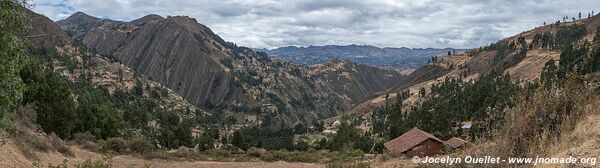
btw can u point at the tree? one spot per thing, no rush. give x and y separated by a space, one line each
51 97
172 132
138 89
594 64
271 139
12 53
300 128
422 92
204 142
97 115
549 74
345 137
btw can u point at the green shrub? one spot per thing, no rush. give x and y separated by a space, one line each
355 153
218 153
354 164
103 163
95 164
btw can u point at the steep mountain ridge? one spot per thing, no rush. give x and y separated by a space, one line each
190 59
73 61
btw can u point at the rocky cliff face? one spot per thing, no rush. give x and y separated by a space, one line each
190 59
47 39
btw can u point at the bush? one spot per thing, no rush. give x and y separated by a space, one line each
29 139
116 145
355 153
85 140
81 138
103 163
256 152
95 164
60 145
139 145
354 164
157 154
218 153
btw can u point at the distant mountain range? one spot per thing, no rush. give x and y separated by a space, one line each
389 58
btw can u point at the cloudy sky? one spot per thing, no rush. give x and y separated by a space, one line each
383 23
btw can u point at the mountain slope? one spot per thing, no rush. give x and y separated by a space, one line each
190 59
523 56
69 59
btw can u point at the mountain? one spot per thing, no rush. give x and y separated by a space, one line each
76 62
523 56
389 58
187 57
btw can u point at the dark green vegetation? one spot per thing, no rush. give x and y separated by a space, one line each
12 55
449 103
577 56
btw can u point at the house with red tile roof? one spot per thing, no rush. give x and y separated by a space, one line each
415 142
457 143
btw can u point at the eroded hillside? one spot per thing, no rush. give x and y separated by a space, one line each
190 59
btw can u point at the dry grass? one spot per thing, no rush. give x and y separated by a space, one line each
29 138
541 123
85 140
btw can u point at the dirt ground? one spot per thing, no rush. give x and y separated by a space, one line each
11 156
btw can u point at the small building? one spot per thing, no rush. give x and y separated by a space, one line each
415 142
466 125
456 143
329 131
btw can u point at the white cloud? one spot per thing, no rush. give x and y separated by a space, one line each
384 23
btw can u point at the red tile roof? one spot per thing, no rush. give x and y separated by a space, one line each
409 140
455 142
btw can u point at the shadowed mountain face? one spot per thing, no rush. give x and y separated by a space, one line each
190 59
389 58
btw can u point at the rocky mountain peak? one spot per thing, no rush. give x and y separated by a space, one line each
147 18
82 15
